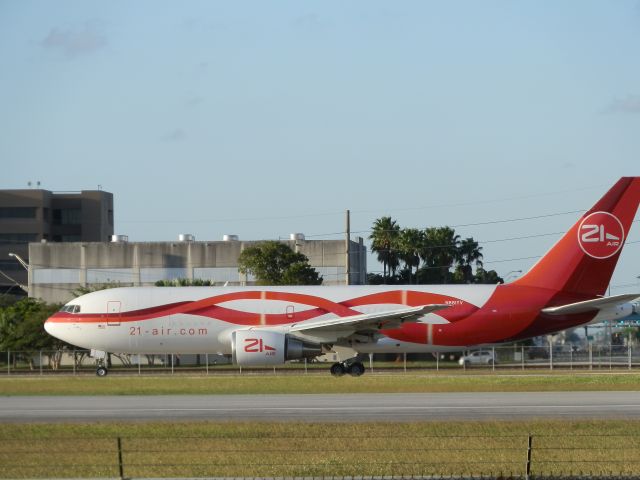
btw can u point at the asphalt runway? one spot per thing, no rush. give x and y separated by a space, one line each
321 408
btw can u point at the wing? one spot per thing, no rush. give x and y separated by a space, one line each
366 321
590 305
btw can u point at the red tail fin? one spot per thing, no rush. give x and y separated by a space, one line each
583 261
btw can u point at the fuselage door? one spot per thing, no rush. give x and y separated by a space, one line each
113 313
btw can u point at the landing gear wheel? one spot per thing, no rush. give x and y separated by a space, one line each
337 369
355 369
101 371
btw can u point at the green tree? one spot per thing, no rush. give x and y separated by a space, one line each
439 252
384 242
274 263
22 329
469 253
410 244
488 277
22 326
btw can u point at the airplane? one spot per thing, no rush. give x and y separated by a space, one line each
259 326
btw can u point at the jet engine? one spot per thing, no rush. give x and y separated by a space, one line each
263 347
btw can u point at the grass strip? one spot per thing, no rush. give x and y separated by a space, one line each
319 449
300 384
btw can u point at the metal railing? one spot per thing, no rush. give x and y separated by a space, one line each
497 456
593 357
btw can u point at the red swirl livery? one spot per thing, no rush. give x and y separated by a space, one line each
270 325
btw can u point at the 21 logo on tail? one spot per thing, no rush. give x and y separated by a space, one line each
600 235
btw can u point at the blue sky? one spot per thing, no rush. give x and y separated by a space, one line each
266 118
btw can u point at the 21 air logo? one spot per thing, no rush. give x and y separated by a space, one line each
600 235
256 345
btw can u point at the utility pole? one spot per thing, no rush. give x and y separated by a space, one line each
348 248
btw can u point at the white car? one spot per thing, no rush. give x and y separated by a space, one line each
480 357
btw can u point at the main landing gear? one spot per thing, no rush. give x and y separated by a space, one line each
355 369
101 371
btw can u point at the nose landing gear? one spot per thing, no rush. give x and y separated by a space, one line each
101 358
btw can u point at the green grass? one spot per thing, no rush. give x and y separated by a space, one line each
269 383
319 449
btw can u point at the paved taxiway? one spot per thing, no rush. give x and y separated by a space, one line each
330 407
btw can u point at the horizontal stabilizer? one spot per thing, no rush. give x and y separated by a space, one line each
378 320
590 305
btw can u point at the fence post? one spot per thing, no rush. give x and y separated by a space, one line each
493 363
522 357
405 362
590 356
305 365
550 354
529 447
571 358
610 351
74 361
371 362
206 357
437 361
40 353
139 367
8 362
120 465
172 364
629 350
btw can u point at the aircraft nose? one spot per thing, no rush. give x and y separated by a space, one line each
55 329
49 327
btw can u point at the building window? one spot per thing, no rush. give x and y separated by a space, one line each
18 237
70 238
17 212
68 216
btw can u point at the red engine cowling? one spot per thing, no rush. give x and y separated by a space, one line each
263 347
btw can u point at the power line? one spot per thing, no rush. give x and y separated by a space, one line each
341 212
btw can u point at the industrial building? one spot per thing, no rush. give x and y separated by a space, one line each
56 269
37 215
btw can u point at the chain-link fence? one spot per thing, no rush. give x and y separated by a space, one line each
450 456
592 357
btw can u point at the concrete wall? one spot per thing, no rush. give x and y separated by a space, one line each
58 268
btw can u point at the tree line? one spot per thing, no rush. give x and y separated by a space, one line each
434 255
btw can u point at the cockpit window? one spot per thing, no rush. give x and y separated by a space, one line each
70 308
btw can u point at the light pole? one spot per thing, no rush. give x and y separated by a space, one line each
20 260
26 267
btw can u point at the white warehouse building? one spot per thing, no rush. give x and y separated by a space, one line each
56 269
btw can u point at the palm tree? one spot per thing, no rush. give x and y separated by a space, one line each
468 253
384 242
410 243
440 250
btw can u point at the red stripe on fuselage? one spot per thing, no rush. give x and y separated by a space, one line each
210 307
